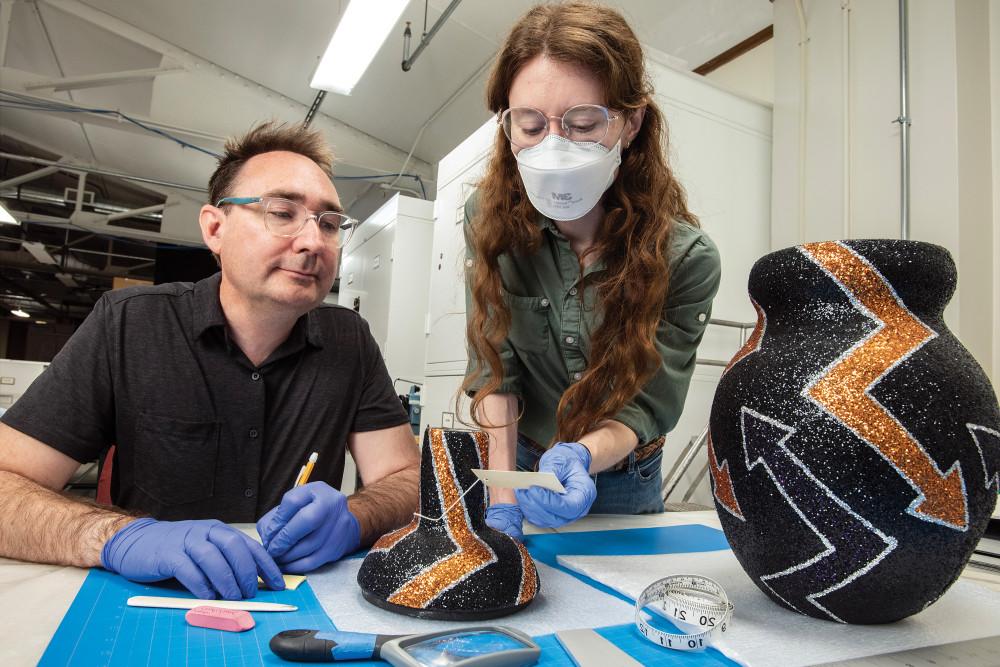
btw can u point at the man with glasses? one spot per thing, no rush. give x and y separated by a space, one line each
214 395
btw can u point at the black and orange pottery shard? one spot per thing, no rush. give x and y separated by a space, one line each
854 442
447 564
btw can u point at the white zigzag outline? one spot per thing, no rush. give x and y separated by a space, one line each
982 455
879 326
451 536
891 542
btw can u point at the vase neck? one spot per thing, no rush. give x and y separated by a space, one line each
448 487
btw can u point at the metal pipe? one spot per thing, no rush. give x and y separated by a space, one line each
904 121
97 170
845 110
81 185
156 208
426 39
318 100
803 115
42 197
733 324
27 178
685 462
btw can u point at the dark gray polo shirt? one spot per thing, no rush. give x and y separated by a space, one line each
200 431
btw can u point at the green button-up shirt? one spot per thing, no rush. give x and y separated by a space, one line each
548 345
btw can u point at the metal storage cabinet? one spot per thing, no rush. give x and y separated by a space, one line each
384 274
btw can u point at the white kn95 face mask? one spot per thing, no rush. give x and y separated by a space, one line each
565 179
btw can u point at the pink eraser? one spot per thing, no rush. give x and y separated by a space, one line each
217 618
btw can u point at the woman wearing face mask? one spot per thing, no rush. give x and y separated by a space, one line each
589 282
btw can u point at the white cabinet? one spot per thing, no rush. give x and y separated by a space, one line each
384 274
15 378
458 173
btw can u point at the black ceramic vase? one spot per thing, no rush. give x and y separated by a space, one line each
854 442
447 564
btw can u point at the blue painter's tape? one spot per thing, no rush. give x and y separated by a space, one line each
350 645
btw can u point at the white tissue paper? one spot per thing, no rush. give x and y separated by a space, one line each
763 633
563 603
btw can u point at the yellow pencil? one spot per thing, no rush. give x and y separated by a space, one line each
298 477
307 469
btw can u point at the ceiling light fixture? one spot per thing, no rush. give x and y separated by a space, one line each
359 35
19 313
6 218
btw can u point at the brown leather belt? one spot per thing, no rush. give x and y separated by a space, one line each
642 452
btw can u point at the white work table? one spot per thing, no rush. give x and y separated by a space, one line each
33 598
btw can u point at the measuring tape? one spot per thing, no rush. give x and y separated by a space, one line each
689 599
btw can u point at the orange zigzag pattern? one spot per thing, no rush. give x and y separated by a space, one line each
724 491
843 389
472 552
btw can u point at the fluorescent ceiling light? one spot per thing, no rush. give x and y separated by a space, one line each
359 35
39 252
40 322
6 218
19 313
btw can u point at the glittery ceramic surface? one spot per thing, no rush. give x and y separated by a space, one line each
457 568
854 444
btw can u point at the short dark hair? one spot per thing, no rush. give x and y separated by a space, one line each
265 138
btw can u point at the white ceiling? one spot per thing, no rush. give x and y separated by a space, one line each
241 61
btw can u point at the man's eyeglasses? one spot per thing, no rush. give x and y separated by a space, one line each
526 127
287 218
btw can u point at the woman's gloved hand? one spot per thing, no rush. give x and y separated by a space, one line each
570 462
507 518
208 557
309 528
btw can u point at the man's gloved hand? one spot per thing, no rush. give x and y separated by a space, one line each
569 461
310 527
208 557
507 518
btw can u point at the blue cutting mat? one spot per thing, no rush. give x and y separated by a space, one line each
100 629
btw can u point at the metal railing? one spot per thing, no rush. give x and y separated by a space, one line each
695 444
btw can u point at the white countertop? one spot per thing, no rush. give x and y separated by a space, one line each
34 598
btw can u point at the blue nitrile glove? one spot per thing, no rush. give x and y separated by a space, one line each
507 518
569 461
210 558
310 527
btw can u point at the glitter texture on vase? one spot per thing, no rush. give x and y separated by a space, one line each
854 445
455 567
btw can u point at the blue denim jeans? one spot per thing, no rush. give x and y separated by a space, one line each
635 489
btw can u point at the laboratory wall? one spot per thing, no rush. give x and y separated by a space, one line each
837 142
751 74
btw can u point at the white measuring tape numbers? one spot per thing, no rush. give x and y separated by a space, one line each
690 600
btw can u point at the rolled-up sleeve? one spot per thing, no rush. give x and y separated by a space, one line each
512 368
694 283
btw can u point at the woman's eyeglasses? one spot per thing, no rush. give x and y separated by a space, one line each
586 123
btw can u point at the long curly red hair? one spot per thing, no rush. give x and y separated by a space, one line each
641 207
